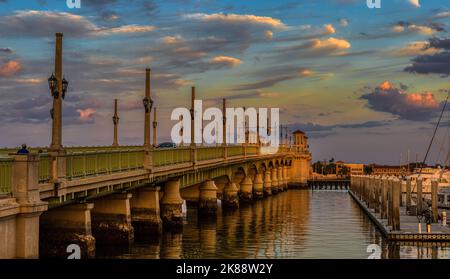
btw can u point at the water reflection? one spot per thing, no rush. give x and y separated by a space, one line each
294 224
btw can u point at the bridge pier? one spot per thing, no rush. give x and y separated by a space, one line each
208 198
267 186
171 206
274 181
258 186
286 178
230 196
145 212
280 179
64 226
246 193
111 220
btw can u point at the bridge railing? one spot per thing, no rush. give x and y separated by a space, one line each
164 157
251 150
209 153
95 163
235 151
45 168
5 175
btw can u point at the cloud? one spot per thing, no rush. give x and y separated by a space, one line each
344 22
307 32
429 29
10 68
86 114
313 48
272 80
443 14
6 50
33 23
238 19
413 49
225 61
126 29
415 3
435 63
257 94
410 106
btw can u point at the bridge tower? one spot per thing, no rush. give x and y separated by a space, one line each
301 163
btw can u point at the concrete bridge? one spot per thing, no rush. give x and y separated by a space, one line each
57 196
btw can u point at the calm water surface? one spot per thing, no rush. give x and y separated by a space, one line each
295 224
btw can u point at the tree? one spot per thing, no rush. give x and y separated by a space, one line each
368 169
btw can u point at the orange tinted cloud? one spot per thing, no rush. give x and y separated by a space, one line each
226 61
86 114
235 18
10 68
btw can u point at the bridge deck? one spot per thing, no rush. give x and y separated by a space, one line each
408 224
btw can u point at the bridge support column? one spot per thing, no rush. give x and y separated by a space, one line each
274 181
246 193
145 213
286 178
267 187
230 196
19 216
171 205
208 198
111 220
64 226
280 179
258 186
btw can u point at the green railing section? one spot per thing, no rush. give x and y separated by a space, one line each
45 167
5 175
73 149
104 162
164 157
209 153
251 150
235 151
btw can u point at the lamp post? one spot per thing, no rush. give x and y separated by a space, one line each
155 124
115 120
58 86
148 104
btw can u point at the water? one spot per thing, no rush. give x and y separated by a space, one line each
294 224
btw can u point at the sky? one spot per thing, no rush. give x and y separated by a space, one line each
366 85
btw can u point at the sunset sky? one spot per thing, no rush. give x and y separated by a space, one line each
365 84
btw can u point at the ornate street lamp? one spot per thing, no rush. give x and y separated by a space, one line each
65 85
115 119
52 84
148 104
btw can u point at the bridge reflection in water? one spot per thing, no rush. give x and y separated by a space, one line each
293 224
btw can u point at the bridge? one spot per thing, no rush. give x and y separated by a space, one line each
56 196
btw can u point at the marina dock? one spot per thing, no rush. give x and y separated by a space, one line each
378 198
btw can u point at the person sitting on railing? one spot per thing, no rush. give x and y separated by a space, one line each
23 150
